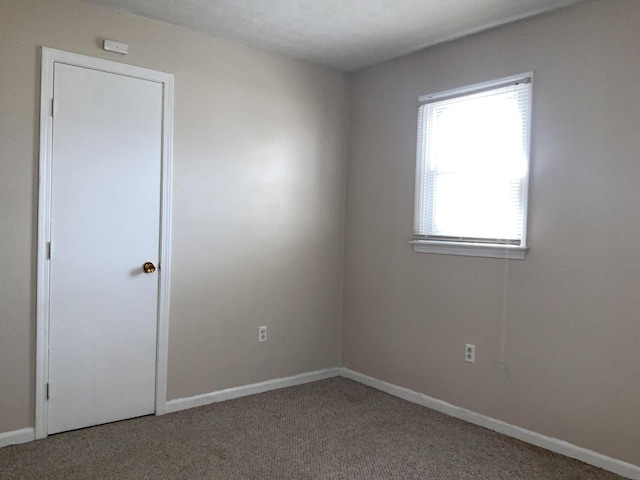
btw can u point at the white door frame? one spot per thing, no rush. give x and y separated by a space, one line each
47 106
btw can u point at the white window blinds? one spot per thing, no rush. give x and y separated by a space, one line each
472 174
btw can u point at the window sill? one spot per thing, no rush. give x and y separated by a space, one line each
470 249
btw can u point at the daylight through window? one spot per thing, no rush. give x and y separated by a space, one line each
472 170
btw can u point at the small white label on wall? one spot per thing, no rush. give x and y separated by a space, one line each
117 47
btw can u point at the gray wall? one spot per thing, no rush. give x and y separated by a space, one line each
558 334
258 200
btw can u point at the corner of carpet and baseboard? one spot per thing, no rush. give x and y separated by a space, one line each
555 445
619 467
24 435
251 389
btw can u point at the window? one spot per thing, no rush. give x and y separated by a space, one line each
473 170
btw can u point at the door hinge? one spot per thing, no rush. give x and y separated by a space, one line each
49 250
47 391
53 107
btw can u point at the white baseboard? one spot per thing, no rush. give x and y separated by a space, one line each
236 392
549 443
553 444
23 435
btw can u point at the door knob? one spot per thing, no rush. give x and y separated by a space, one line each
148 267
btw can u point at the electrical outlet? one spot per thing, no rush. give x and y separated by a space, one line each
470 353
262 333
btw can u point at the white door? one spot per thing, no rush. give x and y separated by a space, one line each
105 215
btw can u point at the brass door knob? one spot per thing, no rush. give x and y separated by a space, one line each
148 267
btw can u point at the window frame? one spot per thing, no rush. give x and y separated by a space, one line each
460 245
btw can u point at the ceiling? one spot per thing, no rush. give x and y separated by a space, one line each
342 34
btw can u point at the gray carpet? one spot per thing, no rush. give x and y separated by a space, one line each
333 429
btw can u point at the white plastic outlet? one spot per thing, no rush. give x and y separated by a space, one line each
470 353
262 333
